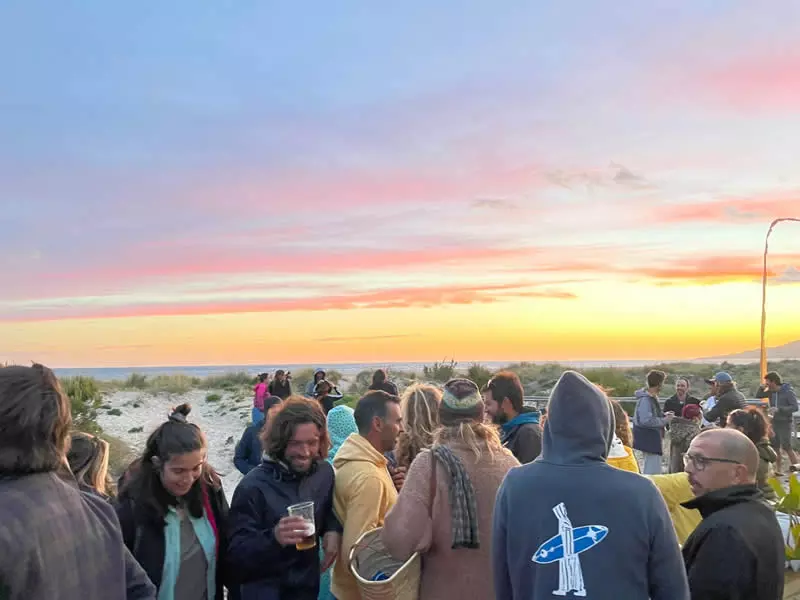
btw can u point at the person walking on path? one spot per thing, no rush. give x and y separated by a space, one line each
681 398
262 551
365 489
569 523
56 542
444 510
420 411
341 424
173 513
649 423
751 422
520 431
728 399
737 551
782 406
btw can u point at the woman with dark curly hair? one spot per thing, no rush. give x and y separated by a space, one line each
752 422
272 553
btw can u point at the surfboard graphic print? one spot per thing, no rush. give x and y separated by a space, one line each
565 547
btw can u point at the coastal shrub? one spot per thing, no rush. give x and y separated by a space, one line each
440 371
479 374
173 384
348 400
615 382
136 381
114 412
213 398
228 381
85 400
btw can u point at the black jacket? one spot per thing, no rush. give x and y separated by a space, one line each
247 455
726 404
281 390
267 570
673 404
737 551
143 533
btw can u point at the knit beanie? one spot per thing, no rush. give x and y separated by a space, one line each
461 401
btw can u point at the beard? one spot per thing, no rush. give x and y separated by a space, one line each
500 419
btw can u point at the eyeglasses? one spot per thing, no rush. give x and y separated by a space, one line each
701 462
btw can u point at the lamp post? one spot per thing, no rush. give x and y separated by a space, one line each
764 294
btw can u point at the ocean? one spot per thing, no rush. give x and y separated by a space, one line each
346 369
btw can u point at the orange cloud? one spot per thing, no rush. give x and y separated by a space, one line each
717 269
766 207
420 297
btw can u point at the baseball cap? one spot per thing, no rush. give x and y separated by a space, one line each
721 377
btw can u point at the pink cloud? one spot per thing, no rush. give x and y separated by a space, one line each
423 297
764 207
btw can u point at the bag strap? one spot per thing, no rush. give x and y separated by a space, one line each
210 514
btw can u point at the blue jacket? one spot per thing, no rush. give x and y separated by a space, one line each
249 450
265 569
784 400
649 423
568 524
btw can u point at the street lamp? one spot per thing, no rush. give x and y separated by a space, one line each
764 294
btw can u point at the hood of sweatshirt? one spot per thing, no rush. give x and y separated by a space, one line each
580 423
356 449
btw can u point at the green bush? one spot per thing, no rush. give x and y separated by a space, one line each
615 382
479 374
136 381
440 371
173 384
213 398
85 399
114 412
348 400
228 381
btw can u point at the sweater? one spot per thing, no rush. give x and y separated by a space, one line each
675 489
364 493
419 523
570 525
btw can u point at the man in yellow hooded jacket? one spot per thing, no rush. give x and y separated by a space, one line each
365 487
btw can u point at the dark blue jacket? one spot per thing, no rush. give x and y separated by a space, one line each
265 569
249 450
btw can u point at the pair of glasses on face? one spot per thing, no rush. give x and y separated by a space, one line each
701 462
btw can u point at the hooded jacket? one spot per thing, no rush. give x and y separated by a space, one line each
766 459
523 436
249 450
364 494
737 552
784 401
265 569
648 423
621 457
313 383
569 524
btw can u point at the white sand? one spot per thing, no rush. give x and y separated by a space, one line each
223 423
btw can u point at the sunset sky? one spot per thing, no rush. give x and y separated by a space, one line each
260 182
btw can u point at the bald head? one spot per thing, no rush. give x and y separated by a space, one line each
721 458
734 445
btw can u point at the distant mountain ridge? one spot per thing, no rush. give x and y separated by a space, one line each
785 352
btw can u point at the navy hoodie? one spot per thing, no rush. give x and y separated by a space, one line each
568 524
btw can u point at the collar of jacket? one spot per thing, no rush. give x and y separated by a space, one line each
283 472
711 502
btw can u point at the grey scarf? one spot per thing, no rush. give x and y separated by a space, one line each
463 505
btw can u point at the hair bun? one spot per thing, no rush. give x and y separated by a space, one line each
179 413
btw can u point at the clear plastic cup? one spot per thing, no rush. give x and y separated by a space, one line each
306 511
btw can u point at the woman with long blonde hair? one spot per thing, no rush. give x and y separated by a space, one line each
88 460
444 509
420 409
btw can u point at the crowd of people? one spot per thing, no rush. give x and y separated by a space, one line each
499 500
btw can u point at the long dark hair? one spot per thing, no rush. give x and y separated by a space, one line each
35 420
752 422
282 420
174 437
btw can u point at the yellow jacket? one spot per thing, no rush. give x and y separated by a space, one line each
363 495
675 489
626 462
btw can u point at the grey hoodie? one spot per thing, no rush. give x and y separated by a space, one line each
568 524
